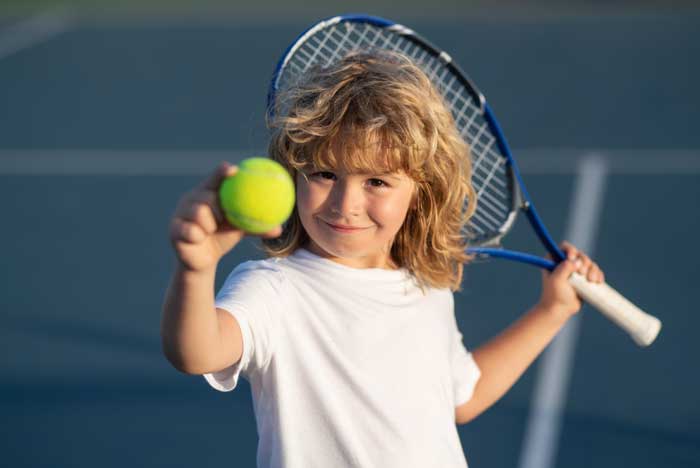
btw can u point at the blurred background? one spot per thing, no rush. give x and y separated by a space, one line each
112 110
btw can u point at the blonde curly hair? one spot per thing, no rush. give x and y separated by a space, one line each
376 110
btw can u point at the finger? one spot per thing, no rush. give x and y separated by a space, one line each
276 232
583 264
591 274
204 217
211 201
185 231
564 270
228 237
570 250
595 274
213 181
200 213
207 197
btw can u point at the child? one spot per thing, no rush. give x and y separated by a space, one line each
347 333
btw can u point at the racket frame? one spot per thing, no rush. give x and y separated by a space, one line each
641 326
521 198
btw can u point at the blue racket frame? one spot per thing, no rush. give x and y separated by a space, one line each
525 202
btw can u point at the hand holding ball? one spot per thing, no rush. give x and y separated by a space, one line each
259 197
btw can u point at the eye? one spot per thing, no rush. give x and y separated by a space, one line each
377 183
326 175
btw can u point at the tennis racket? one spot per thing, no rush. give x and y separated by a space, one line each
501 193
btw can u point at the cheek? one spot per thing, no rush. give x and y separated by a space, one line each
306 198
301 186
302 194
391 213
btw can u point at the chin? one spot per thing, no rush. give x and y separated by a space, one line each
351 251
344 251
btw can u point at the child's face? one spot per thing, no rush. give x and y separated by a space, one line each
353 218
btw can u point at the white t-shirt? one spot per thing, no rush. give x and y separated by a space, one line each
348 367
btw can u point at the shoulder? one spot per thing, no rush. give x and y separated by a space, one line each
254 285
442 296
267 271
442 304
281 271
268 266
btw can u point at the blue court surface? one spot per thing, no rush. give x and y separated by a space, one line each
105 124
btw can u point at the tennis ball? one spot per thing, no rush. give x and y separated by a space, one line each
259 197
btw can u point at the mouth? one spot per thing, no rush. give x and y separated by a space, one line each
344 228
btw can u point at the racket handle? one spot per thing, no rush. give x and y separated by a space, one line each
641 326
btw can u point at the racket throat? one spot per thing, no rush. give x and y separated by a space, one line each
542 233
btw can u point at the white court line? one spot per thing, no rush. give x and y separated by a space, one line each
542 161
35 30
128 163
620 161
543 427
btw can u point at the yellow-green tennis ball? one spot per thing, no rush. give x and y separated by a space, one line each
259 197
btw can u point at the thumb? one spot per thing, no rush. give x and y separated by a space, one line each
214 179
227 238
565 269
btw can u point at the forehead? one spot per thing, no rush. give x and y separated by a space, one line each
360 154
353 165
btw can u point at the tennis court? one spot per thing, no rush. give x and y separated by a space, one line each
105 122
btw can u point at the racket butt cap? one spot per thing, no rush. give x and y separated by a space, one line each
647 337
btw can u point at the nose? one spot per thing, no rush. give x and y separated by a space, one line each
347 198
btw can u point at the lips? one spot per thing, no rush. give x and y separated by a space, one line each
344 228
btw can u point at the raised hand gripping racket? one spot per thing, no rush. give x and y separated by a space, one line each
496 179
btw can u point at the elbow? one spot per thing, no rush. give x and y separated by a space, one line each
183 366
461 420
176 359
468 411
187 365
170 351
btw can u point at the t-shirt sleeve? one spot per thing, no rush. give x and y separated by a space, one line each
465 372
250 294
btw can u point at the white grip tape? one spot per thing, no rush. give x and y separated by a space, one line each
641 326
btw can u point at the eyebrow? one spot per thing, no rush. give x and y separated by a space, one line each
388 175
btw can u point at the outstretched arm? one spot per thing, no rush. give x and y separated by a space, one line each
503 359
196 337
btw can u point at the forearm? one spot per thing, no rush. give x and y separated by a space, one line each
189 326
505 358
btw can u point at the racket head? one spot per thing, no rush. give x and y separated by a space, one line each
496 179
494 174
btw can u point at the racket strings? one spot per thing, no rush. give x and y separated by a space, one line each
490 176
